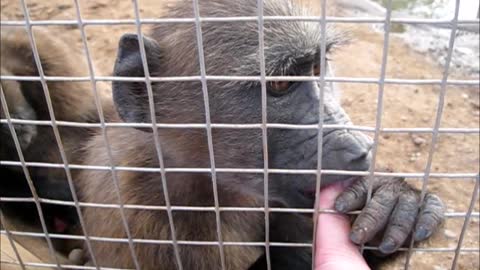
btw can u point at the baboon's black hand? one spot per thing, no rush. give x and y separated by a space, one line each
431 216
392 211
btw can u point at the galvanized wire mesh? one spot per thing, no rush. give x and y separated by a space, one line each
323 79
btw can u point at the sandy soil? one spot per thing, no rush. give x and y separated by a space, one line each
404 106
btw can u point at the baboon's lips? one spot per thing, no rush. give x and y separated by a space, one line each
311 192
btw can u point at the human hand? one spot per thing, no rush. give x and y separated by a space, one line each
334 249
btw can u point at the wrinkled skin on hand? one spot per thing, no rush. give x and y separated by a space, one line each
393 213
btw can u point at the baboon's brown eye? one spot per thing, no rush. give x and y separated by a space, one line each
316 70
280 87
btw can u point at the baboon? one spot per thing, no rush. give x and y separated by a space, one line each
232 48
71 101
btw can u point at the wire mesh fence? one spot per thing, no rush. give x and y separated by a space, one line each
436 130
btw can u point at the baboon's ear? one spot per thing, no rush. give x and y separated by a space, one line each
131 99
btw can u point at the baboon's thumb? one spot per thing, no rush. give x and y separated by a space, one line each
334 250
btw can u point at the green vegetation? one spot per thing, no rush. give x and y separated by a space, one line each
405 4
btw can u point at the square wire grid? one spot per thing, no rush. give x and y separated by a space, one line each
208 126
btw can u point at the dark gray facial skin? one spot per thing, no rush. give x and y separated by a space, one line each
291 48
297 149
342 149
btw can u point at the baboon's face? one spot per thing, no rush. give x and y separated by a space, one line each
291 48
298 148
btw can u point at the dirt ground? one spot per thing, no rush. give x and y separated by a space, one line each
404 106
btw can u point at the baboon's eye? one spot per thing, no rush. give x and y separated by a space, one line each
316 67
280 87
316 70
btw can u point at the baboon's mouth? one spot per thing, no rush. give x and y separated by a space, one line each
345 183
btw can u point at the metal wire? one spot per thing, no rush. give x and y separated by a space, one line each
204 208
320 126
213 173
213 243
22 162
242 126
438 117
322 79
158 148
381 87
457 176
67 266
244 78
105 138
263 83
329 19
473 202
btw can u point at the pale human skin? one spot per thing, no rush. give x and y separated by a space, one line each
335 250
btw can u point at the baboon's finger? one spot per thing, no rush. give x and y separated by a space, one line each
355 196
76 256
374 216
431 216
401 221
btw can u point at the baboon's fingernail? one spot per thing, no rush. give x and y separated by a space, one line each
388 246
358 236
421 233
340 206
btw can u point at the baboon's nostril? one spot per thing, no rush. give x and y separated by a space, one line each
349 150
358 157
359 154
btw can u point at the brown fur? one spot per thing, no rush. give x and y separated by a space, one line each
19 108
184 189
71 101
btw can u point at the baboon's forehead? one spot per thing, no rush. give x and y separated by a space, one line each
234 46
227 8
